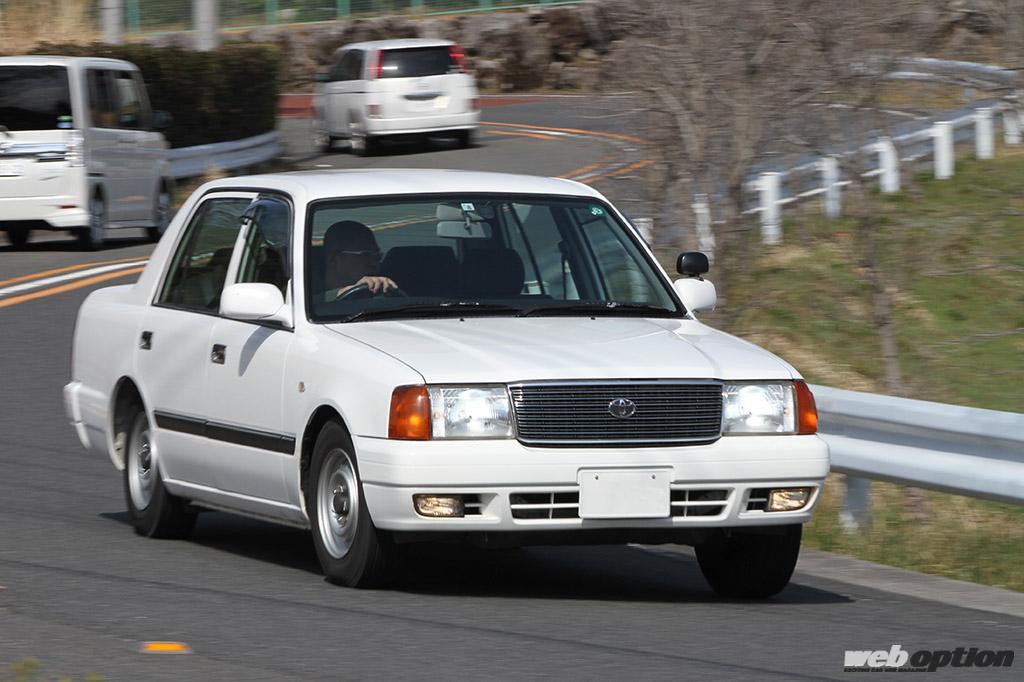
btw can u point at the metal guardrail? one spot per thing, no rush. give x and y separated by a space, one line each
187 162
961 450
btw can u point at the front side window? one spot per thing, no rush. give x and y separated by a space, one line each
102 102
516 255
200 264
35 98
131 108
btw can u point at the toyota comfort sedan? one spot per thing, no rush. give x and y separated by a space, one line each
388 357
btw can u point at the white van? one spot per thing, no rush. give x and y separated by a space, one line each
396 87
80 149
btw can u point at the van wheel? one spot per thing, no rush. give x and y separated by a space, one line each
750 565
465 138
351 550
153 511
18 236
363 145
323 141
91 237
161 214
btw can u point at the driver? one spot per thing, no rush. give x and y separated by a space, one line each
352 259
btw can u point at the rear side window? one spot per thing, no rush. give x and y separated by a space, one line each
415 62
35 98
200 265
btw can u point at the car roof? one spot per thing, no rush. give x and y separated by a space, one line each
332 184
398 44
58 60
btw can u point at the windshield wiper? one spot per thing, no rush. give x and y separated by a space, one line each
444 309
610 308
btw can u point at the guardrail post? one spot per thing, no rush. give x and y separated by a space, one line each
112 16
889 165
768 189
984 144
856 513
705 236
1011 126
206 21
829 166
942 132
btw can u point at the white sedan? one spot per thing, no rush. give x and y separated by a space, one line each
388 357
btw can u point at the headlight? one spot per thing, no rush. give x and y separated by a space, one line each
470 412
758 408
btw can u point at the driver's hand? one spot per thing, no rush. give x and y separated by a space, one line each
377 285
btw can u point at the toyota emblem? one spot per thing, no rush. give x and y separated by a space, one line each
622 408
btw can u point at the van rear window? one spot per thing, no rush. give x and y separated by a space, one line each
415 62
34 98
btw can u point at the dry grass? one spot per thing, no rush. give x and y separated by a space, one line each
27 23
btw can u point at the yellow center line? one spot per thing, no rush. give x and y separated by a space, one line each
619 171
70 286
68 268
578 131
536 136
589 167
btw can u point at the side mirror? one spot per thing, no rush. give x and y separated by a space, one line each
255 302
320 77
697 294
161 121
692 264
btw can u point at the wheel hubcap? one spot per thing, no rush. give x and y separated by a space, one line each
141 469
337 503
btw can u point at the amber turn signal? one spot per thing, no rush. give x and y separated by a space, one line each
410 413
807 411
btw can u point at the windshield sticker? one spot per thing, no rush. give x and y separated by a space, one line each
596 210
468 207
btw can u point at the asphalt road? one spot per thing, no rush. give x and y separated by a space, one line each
80 592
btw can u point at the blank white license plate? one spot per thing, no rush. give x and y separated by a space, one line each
625 493
11 169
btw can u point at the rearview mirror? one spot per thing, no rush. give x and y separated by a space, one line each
697 294
255 302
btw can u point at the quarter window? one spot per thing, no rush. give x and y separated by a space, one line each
265 254
200 265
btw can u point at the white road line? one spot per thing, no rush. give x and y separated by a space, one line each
78 274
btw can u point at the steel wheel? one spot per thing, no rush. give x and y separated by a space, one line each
141 464
337 499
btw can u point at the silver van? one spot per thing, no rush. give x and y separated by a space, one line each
396 87
80 149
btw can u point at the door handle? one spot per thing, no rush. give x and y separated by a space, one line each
146 341
218 353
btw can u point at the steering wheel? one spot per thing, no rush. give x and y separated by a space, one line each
363 291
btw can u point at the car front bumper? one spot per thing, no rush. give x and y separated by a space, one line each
716 481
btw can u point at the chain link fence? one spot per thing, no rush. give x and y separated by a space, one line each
149 16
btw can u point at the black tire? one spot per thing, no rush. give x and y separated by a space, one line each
368 557
18 236
364 145
465 138
750 565
91 237
161 213
163 515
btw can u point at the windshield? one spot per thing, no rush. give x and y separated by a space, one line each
459 255
34 98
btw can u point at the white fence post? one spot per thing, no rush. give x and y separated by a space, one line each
943 135
984 144
1011 126
206 22
829 166
888 165
770 225
705 235
112 16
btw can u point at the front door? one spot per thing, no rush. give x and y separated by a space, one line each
245 378
173 350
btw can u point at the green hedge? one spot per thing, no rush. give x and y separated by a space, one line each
225 94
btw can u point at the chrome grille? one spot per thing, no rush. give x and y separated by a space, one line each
574 413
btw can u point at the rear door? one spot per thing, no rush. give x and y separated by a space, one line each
36 119
421 81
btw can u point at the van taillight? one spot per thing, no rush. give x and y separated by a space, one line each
376 64
458 57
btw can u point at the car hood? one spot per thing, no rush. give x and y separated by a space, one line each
504 350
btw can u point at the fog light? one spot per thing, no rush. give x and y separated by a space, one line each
439 505
788 499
